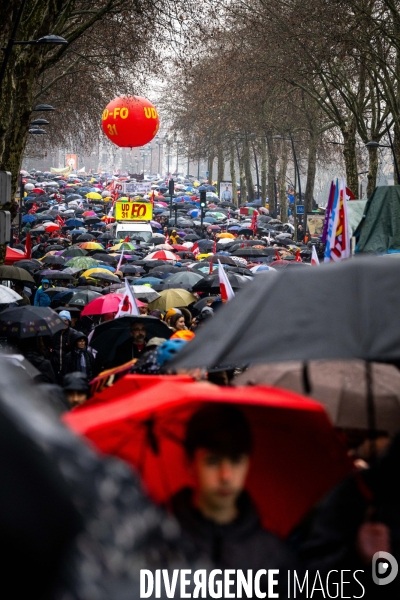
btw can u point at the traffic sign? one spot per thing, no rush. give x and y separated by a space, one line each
299 209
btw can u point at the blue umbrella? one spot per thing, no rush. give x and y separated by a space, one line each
210 220
45 218
28 218
150 280
194 212
74 223
158 211
77 231
234 228
211 188
108 267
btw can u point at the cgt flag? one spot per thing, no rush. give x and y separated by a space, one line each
128 305
195 249
227 292
338 239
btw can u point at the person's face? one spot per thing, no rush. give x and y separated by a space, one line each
81 344
138 333
66 321
219 480
180 324
45 286
143 310
75 398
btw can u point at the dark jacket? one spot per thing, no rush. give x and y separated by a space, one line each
43 365
242 544
331 541
127 351
62 343
72 363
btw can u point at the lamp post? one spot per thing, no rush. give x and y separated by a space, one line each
159 144
378 145
47 39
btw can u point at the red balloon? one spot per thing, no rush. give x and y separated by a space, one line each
130 121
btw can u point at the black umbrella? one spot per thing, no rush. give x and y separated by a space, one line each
92 220
106 236
249 252
54 260
85 237
131 270
54 247
49 274
23 322
335 311
165 268
109 335
191 237
30 265
105 258
15 274
210 283
74 251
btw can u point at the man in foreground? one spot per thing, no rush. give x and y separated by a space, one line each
217 513
133 347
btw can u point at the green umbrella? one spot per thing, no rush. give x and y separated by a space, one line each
82 262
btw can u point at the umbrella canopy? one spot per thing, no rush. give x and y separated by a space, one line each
30 265
24 322
161 255
73 252
7 295
93 196
144 292
107 336
332 312
82 262
91 246
78 297
210 283
101 274
15 274
306 457
342 388
172 298
184 278
105 304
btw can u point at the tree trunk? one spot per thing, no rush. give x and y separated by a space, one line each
221 164
247 169
372 169
263 171
210 168
283 200
271 178
396 146
233 174
311 171
349 153
243 188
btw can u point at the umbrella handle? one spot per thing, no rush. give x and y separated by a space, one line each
306 379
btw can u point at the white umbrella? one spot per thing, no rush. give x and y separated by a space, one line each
142 291
8 295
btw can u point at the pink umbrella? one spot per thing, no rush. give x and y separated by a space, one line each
105 304
89 213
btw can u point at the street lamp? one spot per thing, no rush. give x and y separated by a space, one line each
47 39
377 145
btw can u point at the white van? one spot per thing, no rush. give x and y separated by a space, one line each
139 230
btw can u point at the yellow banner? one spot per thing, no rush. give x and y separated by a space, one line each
133 211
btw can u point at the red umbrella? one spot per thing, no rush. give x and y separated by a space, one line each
38 191
105 304
180 248
297 457
52 227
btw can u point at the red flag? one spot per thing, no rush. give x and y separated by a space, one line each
28 246
298 257
225 287
278 256
314 257
152 198
350 194
60 220
215 247
195 249
127 239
